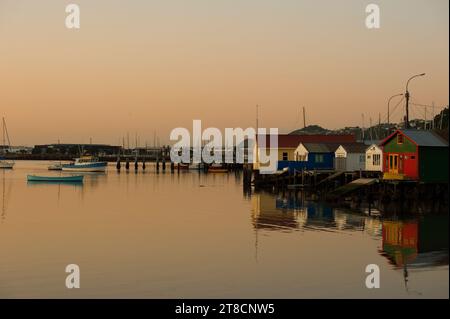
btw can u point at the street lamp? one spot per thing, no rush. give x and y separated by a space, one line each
389 101
407 98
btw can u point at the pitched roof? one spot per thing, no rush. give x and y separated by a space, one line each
292 141
420 138
376 145
425 138
321 147
355 147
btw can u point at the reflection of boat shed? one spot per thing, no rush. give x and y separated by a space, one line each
415 155
406 241
273 214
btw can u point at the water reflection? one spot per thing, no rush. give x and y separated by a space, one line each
406 242
274 212
179 235
416 243
6 193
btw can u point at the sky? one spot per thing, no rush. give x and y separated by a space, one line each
146 67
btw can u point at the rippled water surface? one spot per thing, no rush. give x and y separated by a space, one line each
191 235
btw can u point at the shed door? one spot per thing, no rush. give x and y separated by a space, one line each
340 163
393 163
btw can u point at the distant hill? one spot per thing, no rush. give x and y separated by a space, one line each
439 124
310 130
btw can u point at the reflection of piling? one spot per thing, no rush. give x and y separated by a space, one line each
157 164
247 176
143 164
136 165
172 167
118 164
178 168
127 164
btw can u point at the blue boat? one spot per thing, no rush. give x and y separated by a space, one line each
66 179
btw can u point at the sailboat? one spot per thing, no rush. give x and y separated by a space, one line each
4 163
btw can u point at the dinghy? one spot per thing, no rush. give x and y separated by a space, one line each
67 179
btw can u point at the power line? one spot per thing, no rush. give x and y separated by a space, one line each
393 109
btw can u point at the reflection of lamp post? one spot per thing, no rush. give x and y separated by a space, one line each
407 99
389 101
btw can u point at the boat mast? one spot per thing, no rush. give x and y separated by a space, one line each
5 132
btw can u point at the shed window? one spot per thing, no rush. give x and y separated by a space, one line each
413 157
399 139
301 158
319 158
362 158
285 156
376 159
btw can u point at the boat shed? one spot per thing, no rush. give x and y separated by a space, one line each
415 155
374 158
316 156
350 157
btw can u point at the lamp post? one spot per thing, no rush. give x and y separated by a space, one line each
389 101
407 98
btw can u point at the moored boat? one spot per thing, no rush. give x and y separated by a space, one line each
55 167
182 166
70 179
4 163
196 166
217 168
86 164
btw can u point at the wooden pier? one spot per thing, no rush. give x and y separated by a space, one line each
357 189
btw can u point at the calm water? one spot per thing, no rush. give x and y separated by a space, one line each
200 236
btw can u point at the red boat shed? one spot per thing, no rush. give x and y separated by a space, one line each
415 155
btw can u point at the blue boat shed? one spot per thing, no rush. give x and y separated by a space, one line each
311 156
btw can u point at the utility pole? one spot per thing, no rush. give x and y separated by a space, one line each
362 129
407 99
432 115
304 117
379 126
425 125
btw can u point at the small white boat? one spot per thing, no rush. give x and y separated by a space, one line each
86 164
5 164
55 167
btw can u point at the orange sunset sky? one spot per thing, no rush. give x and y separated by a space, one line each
150 66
